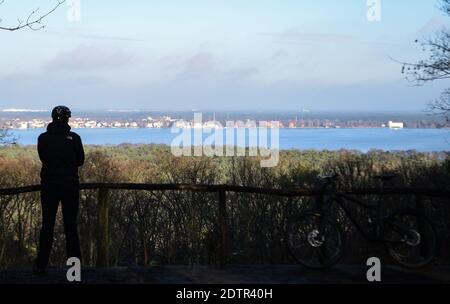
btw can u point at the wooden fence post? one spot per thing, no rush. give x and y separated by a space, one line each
223 239
103 228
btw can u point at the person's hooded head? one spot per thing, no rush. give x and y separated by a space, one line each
61 114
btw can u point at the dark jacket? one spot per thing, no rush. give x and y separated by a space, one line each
61 153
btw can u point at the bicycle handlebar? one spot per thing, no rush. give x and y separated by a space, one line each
329 179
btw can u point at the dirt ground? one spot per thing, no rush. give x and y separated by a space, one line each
270 274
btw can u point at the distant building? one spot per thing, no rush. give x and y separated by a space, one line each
396 125
90 124
37 124
212 124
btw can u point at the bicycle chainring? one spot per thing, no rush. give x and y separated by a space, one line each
315 239
413 238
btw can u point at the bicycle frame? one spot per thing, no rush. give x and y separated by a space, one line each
388 228
378 236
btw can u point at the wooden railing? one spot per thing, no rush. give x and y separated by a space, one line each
221 190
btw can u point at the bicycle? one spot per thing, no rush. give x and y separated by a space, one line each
315 240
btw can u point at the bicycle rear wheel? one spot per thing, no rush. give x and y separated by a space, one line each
314 241
411 240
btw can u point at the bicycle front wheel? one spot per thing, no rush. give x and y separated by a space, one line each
410 239
314 241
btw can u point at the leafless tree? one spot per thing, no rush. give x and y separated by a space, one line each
441 106
33 21
436 66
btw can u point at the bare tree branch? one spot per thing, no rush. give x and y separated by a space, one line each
445 7
435 67
441 106
33 21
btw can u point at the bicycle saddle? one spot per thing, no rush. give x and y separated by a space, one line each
329 177
386 177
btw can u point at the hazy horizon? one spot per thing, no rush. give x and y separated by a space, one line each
218 56
234 111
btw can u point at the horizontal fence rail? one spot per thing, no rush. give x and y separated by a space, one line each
221 190
236 189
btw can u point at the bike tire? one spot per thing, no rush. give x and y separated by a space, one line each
419 243
319 253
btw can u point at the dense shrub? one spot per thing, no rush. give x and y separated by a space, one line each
181 227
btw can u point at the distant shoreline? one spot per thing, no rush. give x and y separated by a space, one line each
361 139
284 128
20 120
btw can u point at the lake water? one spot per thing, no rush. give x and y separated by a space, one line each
424 140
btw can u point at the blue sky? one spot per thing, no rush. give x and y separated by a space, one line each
217 55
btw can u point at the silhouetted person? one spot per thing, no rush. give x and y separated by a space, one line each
61 152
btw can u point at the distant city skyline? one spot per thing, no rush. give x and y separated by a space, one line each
85 111
148 120
218 55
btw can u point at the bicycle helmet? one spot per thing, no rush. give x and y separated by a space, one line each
61 113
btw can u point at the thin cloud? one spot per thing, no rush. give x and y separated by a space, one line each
198 65
89 58
296 36
101 37
436 22
77 34
280 54
241 74
309 37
